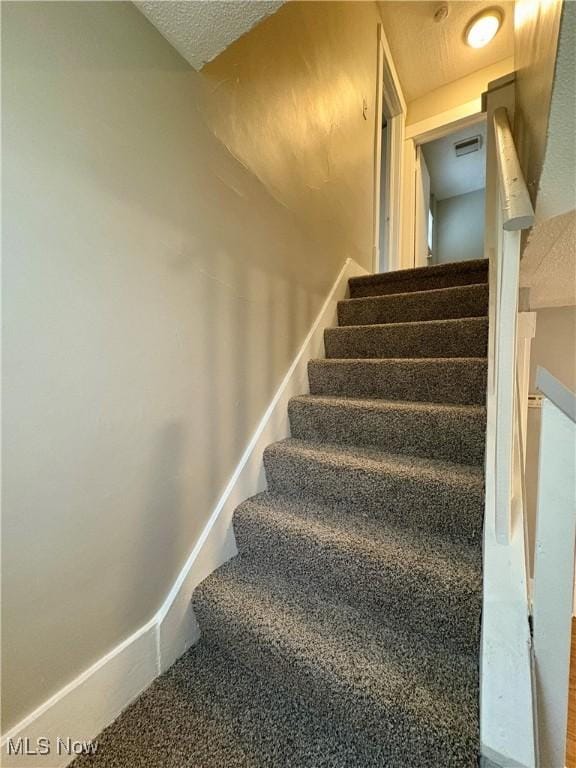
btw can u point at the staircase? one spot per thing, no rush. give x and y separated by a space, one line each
346 632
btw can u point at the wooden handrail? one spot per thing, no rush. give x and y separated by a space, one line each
517 210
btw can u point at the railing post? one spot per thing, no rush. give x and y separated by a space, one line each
554 566
507 713
507 313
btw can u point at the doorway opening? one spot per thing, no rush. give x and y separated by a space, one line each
450 196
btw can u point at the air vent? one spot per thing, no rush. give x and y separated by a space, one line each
466 146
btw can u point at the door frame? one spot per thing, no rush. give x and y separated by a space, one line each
390 104
420 133
421 211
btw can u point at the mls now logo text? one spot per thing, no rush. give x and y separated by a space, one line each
44 746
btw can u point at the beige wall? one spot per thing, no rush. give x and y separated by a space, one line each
459 225
457 93
536 29
557 188
157 285
554 346
289 120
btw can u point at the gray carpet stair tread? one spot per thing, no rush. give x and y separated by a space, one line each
370 565
345 634
406 491
208 711
440 380
421 699
438 304
462 337
420 278
436 430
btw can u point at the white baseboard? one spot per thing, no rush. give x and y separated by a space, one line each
96 697
88 704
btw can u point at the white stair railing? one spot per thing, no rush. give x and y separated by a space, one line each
515 214
524 670
507 701
554 566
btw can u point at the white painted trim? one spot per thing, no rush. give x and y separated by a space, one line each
395 212
554 566
390 102
430 129
409 205
81 709
506 702
435 127
378 114
507 705
517 210
86 705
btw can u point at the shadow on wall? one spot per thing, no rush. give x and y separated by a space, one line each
164 508
155 297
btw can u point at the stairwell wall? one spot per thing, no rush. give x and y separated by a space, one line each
168 239
289 120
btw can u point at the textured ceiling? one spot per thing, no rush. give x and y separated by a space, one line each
548 265
430 54
451 175
201 29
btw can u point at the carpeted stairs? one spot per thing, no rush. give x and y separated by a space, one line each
346 632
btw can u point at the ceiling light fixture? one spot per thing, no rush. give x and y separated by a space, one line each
483 28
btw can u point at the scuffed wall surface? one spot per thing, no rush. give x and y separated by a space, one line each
548 266
156 290
201 29
536 27
289 106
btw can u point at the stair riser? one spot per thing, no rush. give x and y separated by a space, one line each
467 301
454 436
444 381
405 501
422 279
455 338
379 721
384 590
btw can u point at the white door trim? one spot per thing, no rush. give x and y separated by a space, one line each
435 127
389 103
419 133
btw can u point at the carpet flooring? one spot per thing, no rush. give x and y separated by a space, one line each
346 632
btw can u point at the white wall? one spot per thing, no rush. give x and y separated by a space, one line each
553 348
460 228
157 285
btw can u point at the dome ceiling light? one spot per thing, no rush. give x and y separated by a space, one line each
483 28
